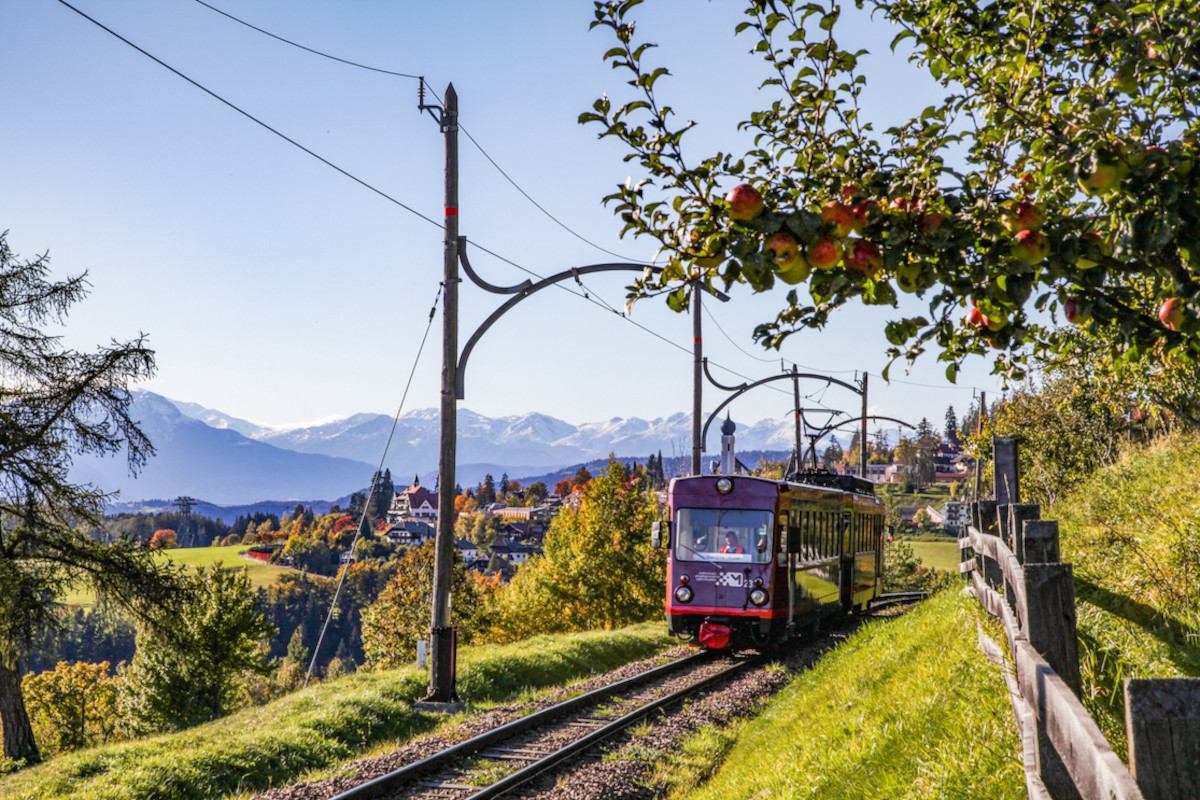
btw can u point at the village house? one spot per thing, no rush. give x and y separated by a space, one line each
415 502
411 532
512 552
467 550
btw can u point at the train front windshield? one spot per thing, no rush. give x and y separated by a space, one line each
710 534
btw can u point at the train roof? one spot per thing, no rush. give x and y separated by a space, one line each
832 480
819 478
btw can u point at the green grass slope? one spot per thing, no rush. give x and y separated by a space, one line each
320 727
905 708
1132 534
260 574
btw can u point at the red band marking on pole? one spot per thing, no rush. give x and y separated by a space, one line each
697 339
451 212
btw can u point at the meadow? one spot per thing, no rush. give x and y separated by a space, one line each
260 574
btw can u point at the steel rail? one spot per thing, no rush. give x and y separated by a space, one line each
385 783
527 774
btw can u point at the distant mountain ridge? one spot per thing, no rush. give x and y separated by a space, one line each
219 458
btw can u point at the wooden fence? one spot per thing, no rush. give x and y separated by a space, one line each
1012 559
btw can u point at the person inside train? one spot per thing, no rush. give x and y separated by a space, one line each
731 543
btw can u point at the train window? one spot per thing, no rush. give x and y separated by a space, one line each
715 535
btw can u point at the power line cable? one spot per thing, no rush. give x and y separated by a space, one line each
307 49
712 318
327 162
253 118
362 520
386 196
462 128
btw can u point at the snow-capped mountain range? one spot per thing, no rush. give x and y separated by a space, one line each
213 456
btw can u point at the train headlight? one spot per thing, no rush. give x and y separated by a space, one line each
683 594
758 596
724 486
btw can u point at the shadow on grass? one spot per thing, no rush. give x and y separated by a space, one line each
1181 639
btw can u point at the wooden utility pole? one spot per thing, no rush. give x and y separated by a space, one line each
697 359
978 431
862 432
799 418
442 656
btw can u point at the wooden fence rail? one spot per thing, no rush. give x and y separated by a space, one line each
1012 558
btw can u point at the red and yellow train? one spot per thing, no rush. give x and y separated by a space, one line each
752 562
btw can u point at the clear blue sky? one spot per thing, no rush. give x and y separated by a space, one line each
275 289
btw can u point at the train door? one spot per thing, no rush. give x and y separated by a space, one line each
846 558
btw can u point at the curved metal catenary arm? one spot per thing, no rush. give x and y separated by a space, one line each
520 292
745 387
812 447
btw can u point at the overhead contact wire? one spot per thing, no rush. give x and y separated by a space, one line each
362 519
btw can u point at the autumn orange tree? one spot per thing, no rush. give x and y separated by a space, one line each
73 705
1056 180
597 570
399 617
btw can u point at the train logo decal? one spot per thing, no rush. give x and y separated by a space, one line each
731 579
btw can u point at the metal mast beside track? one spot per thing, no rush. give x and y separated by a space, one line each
442 695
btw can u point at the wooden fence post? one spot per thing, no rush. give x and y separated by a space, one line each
1006 481
988 524
1038 540
1020 514
1162 720
1049 618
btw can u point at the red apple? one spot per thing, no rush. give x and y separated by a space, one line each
863 256
899 204
790 265
1093 247
745 203
849 191
785 251
862 212
824 253
1101 175
995 323
839 215
1022 215
932 222
710 253
1078 312
1030 247
1171 313
908 276
975 318
1024 184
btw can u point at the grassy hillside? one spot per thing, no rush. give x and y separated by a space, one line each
1132 532
260 574
321 726
905 708
943 555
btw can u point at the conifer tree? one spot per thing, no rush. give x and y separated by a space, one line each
56 402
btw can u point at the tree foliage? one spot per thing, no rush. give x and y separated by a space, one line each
1067 423
1085 112
56 402
597 570
72 706
193 676
399 618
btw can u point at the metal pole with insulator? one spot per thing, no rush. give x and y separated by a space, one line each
697 358
442 656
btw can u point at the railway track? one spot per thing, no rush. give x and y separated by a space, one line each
499 760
